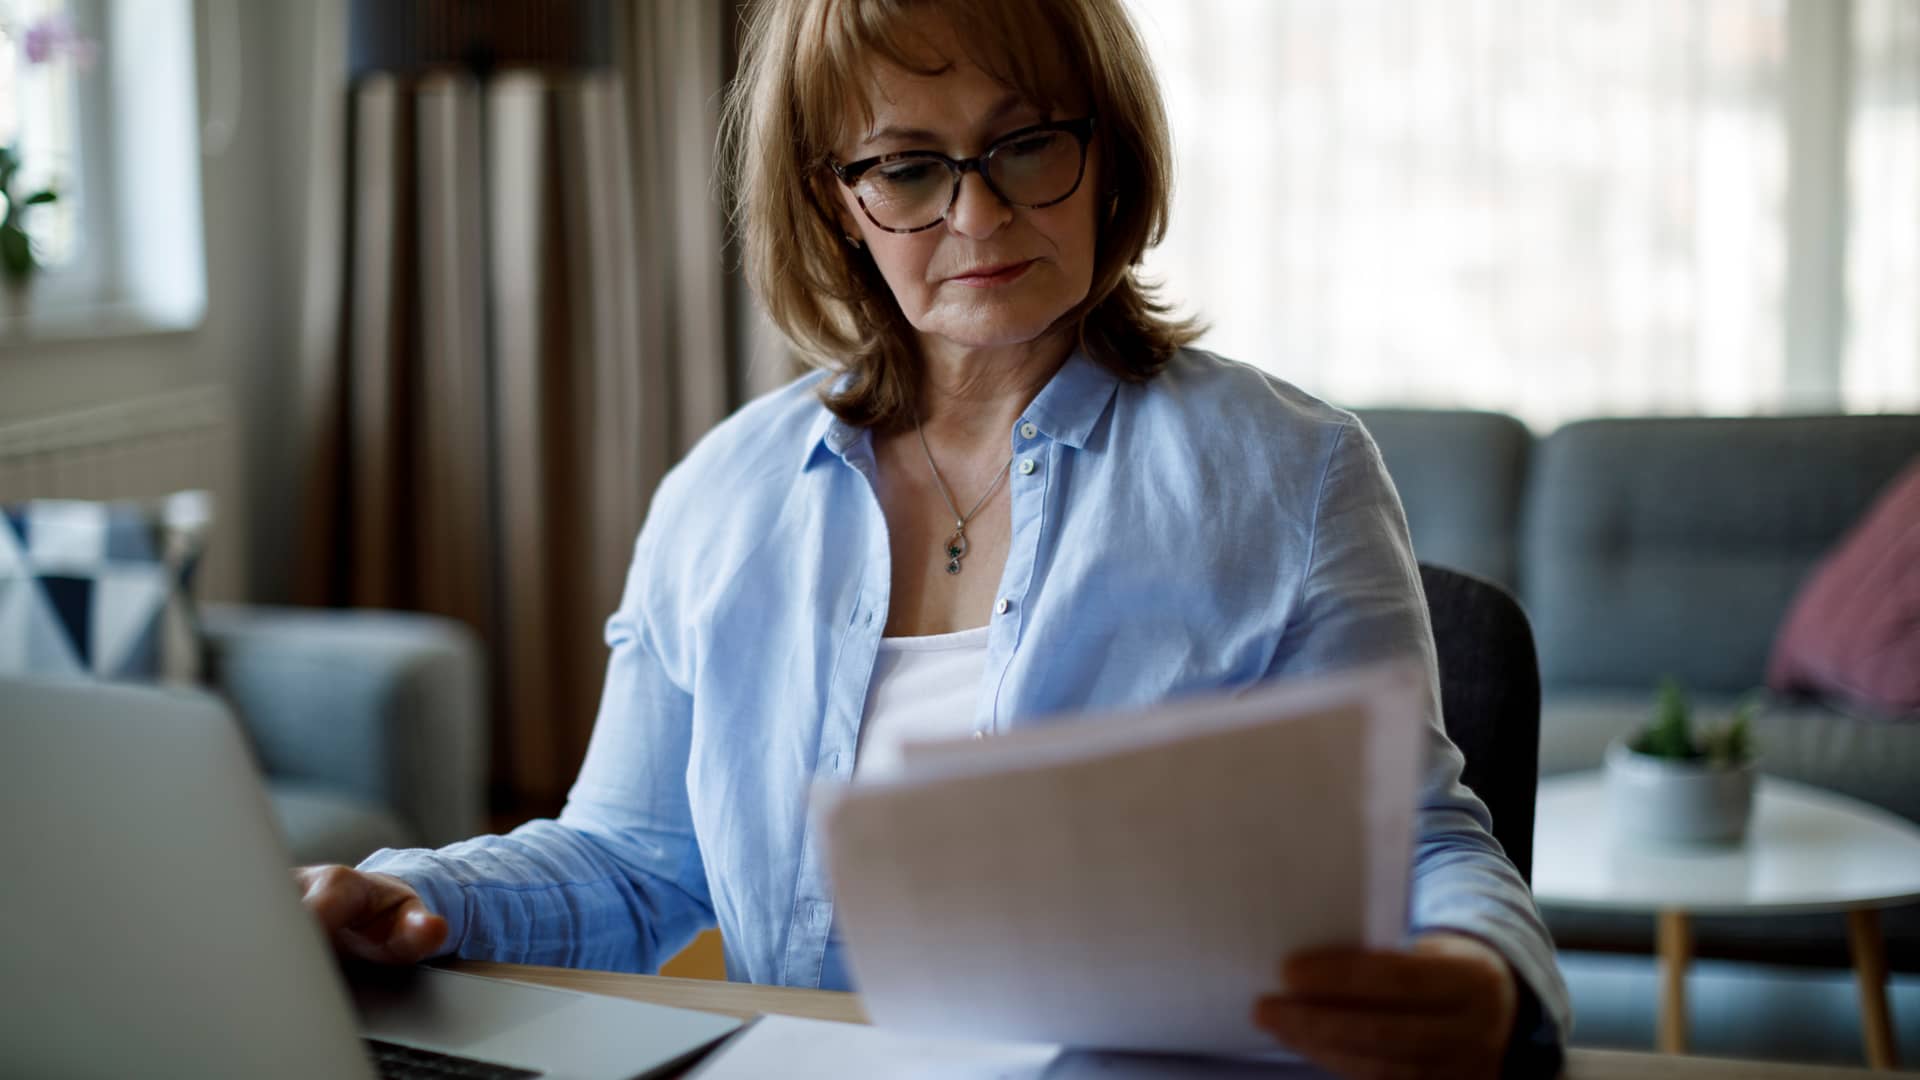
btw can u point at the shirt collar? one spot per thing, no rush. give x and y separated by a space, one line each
1065 410
830 436
1073 400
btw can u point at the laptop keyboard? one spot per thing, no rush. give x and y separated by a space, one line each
398 1062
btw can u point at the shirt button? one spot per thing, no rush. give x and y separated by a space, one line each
1028 431
1001 607
1026 467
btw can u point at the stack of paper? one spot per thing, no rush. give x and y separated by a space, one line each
1131 881
796 1049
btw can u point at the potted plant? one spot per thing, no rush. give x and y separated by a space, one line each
17 260
1670 784
48 40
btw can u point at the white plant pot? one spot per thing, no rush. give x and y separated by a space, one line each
1678 802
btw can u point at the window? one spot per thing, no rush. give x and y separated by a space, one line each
1555 208
1882 369
99 98
45 54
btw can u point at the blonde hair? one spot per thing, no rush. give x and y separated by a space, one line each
804 61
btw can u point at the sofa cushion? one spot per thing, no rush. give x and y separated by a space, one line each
1854 629
1673 546
1460 475
323 825
101 588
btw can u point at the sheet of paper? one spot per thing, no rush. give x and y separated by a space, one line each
797 1049
1109 1065
1085 735
1131 881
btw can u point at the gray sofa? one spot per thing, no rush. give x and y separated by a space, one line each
368 726
1668 546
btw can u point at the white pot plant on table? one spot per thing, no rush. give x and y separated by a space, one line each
1668 784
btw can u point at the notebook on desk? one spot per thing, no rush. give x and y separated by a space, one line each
150 925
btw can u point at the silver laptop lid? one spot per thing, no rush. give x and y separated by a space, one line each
148 920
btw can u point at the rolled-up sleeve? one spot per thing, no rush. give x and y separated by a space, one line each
1360 601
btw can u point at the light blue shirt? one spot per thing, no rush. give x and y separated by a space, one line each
1205 530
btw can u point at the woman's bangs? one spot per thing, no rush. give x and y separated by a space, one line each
1029 47
1014 41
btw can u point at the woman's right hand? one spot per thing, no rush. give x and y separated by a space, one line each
376 917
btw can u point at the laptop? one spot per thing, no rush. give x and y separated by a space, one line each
150 925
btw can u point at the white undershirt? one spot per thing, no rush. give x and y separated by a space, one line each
923 688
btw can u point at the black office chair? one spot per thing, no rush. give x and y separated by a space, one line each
1490 699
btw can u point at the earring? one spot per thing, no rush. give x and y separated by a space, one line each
854 242
1113 207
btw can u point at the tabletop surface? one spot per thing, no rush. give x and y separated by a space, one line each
1806 850
747 1000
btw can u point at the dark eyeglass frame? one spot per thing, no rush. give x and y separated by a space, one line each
850 173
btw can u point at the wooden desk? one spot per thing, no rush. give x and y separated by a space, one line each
745 1000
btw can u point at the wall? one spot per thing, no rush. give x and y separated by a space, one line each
253 194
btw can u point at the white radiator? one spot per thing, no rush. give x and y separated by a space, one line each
139 449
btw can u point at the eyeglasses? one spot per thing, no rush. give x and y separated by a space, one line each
913 190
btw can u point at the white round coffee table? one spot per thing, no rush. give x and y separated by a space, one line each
1807 850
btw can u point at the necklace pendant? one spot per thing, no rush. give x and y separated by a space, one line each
956 547
957 543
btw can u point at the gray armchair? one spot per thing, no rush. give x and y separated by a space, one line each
369 725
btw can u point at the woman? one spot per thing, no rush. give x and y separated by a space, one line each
1013 492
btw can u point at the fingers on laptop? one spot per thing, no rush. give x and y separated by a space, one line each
372 916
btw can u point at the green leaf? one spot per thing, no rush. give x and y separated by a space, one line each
16 252
1669 735
1736 739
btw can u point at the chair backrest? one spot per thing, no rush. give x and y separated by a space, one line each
1489 699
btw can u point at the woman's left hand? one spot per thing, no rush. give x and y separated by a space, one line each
1445 1008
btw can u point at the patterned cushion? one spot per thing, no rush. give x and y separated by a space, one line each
1854 630
101 588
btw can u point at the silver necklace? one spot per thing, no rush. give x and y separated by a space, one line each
956 546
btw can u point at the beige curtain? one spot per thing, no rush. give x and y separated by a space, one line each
519 314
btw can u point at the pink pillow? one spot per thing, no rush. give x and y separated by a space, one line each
1854 630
